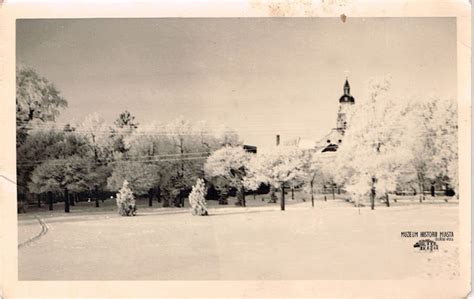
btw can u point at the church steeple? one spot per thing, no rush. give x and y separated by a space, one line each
346 97
345 102
347 88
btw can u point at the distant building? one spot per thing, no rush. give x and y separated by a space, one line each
250 149
331 141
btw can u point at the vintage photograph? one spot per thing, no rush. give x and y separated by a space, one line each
237 149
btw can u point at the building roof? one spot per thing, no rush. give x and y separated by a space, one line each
346 99
331 141
250 148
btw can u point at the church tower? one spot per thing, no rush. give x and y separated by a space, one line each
345 102
331 142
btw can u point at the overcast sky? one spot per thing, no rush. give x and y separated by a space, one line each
261 76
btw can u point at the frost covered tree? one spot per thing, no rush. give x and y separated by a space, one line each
188 159
36 99
142 177
279 168
229 163
150 145
197 199
377 154
123 127
61 176
313 174
446 141
178 149
97 132
43 148
126 201
421 143
192 143
373 155
214 136
433 141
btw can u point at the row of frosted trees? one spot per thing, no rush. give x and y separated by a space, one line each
390 143
393 142
160 161
64 161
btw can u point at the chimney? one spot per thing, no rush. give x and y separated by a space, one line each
278 140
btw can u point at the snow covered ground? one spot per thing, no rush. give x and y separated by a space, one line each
333 240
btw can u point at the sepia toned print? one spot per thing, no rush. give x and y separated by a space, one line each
240 149
237 149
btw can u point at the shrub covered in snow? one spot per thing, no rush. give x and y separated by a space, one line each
197 199
126 201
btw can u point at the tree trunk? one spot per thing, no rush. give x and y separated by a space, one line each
50 200
242 196
96 155
273 197
282 198
150 197
66 200
158 194
372 200
71 200
292 193
420 186
254 197
96 195
333 193
312 195
372 195
39 200
423 190
387 200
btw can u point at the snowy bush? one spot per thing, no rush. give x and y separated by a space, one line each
126 201
197 199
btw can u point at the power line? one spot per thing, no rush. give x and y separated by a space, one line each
171 134
59 162
133 156
206 128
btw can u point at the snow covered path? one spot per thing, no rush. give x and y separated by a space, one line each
326 242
